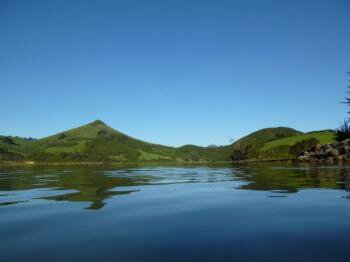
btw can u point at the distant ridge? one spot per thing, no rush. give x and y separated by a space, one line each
96 142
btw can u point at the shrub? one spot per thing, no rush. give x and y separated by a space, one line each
343 132
237 155
9 156
300 147
7 140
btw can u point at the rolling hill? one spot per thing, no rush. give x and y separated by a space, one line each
248 146
97 142
281 148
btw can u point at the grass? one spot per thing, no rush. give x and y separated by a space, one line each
324 137
79 147
281 148
147 156
97 142
248 146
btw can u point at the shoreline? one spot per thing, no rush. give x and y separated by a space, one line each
170 163
34 164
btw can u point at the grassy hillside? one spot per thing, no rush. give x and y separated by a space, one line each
97 142
248 146
13 148
324 137
281 148
192 153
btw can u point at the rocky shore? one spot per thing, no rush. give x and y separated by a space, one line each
328 153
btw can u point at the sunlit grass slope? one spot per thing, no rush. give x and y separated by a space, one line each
280 149
248 146
324 137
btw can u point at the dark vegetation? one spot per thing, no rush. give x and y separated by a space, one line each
300 147
343 132
7 155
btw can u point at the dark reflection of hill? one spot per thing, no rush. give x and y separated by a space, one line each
96 197
94 185
290 178
90 186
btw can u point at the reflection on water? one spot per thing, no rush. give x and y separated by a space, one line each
77 185
293 178
255 212
94 185
11 203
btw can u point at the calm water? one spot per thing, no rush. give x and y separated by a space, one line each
265 212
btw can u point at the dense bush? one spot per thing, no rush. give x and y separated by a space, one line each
9 156
280 152
238 155
343 132
67 157
132 155
300 147
62 136
191 156
7 140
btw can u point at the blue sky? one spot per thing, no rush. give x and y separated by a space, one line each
173 72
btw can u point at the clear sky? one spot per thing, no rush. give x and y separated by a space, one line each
173 72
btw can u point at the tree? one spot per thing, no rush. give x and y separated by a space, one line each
237 155
343 132
347 99
8 140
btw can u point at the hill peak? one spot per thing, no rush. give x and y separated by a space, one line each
97 123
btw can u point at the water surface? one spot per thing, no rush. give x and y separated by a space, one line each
266 212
